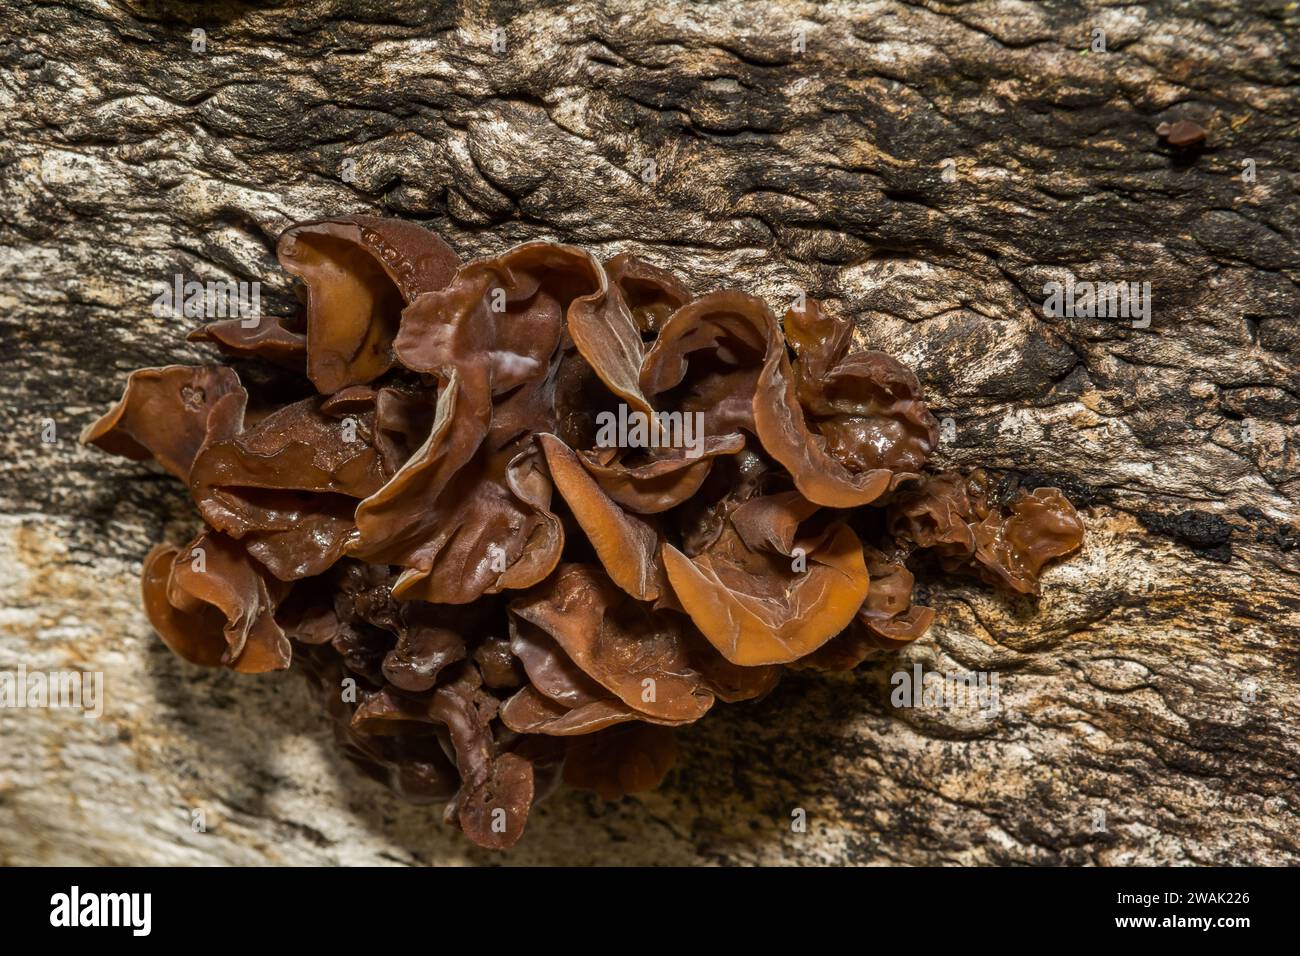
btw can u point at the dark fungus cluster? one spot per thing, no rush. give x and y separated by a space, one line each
419 502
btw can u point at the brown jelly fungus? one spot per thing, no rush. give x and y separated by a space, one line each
538 510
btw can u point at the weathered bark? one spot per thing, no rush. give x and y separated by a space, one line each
1156 680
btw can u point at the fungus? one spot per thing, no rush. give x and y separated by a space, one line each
509 599
1184 134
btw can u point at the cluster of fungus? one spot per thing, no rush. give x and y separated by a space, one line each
416 507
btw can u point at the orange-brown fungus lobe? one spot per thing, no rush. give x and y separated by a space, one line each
535 511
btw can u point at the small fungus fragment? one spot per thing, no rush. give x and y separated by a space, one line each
1183 134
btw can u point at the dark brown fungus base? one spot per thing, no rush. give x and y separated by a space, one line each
490 595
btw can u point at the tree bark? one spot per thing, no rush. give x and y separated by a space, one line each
923 167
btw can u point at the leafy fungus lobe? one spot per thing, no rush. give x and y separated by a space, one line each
516 599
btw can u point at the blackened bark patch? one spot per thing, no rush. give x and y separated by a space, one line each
1207 534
